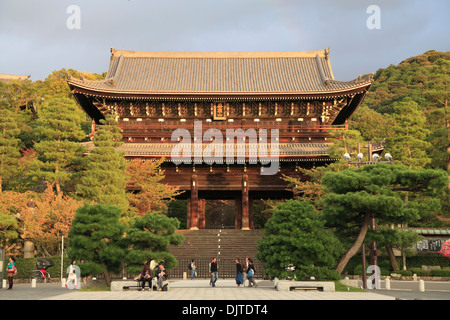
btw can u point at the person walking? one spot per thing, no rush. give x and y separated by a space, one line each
251 274
193 268
214 273
239 270
245 266
12 271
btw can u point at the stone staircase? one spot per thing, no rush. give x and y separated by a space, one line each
219 243
224 244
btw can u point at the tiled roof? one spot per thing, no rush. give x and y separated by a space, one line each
13 77
286 150
171 73
431 231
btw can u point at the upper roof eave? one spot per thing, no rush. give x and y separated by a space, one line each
86 88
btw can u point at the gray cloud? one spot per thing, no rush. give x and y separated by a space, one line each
35 40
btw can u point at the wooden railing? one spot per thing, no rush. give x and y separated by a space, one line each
284 130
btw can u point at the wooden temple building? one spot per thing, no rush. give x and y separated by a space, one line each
154 93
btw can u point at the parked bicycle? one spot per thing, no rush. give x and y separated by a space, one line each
41 273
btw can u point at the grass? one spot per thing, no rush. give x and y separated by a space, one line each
339 287
105 288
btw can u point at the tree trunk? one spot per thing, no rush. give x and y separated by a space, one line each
107 277
356 245
392 259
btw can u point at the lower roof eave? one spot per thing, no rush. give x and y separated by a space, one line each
223 96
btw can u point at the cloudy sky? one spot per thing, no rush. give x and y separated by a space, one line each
38 37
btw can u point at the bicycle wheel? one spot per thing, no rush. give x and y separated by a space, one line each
37 275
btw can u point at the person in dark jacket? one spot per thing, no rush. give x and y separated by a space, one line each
239 270
214 273
146 276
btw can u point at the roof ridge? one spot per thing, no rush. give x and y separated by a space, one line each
275 54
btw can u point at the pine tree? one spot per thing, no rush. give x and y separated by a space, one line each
148 239
355 196
105 180
95 236
9 151
407 144
295 237
59 130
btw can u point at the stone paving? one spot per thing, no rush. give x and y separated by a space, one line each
183 290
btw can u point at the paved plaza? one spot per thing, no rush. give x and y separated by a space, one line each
198 290
197 299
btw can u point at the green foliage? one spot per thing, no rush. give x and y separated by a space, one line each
440 273
377 189
408 142
177 209
9 144
420 85
148 239
59 131
26 267
421 272
104 180
8 228
294 237
319 273
95 237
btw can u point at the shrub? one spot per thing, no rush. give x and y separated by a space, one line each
405 273
26 267
440 273
319 273
421 272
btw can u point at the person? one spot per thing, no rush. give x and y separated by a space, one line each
161 275
251 274
12 271
73 277
245 266
193 268
239 269
214 273
146 276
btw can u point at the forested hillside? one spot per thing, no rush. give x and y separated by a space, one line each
407 106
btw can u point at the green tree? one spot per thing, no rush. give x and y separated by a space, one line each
394 238
105 178
9 229
9 151
408 144
354 196
95 236
295 237
59 130
438 118
21 98
148 238
372 125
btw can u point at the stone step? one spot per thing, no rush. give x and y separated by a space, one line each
205 243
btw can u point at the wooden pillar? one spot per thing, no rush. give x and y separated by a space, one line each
188 224
250 212
238 217
245 202
194 203
201 213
